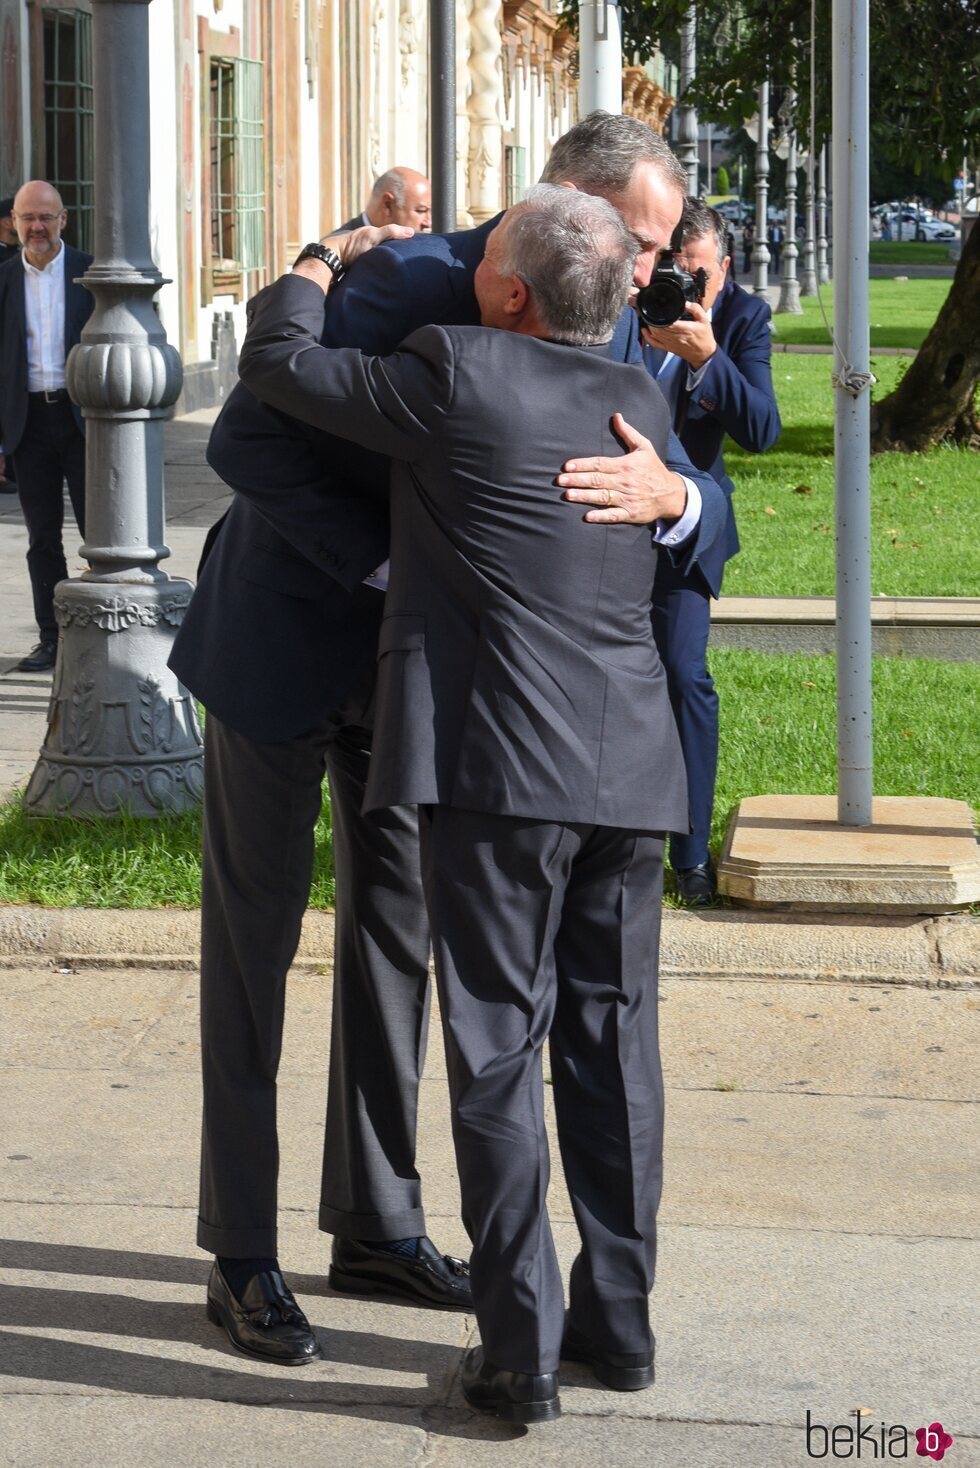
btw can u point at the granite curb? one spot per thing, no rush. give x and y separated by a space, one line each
922 952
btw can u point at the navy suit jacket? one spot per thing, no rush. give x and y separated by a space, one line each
735 396
280 581
13 339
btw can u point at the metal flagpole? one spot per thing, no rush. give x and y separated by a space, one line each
600 57
852 411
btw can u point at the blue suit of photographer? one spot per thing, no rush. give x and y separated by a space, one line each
733 395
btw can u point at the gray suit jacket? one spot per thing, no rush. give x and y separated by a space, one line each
517 668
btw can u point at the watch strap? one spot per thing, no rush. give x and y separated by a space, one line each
329 258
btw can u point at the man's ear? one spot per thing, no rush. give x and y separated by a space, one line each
518 297
723 271
567 184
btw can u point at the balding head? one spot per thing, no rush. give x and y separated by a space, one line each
39 217
401 196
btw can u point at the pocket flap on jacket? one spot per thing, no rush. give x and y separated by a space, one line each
402 632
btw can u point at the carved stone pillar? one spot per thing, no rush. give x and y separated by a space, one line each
484 107
121 730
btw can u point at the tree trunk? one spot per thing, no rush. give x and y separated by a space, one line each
936 399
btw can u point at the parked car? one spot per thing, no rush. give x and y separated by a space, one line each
934 229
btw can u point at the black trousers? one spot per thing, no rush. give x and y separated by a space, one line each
542 929
50 451
261 803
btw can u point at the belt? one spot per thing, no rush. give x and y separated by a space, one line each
55 395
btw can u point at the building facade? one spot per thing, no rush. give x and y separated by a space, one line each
269 121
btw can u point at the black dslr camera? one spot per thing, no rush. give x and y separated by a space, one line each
665 299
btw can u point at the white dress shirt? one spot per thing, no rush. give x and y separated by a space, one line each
44 311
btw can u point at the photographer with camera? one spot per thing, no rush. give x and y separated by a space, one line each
707 342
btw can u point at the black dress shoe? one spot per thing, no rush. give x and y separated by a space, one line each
621 1371
426 1278
40 659
266 1323
696 885
515 1396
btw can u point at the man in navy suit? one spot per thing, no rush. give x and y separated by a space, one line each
42 312
713 366
400 196
280 643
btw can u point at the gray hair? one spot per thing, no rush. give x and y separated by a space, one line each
576 255
599 155
392 182
699 220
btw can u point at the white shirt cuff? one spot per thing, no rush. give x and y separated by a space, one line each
694 378
675 532
379 578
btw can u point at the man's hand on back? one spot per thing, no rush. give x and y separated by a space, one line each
634 488
348 247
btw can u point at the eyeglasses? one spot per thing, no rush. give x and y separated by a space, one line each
37 218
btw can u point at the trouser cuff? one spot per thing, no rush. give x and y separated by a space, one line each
237 1243
373 1228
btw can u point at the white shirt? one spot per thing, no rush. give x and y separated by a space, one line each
44 311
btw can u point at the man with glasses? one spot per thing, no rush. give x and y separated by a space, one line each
713 367
42 312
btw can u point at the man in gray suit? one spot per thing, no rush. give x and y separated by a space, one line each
520 695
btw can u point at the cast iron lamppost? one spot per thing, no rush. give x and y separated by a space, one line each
808 282
823 267
122 732
687 117
442 112
789 290
760 247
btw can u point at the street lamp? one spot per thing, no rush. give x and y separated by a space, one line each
789 290
122 732
687 117
760 247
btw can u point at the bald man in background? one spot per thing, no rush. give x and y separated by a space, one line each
400 196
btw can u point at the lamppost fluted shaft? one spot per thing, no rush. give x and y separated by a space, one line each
760 245
442 112
687 117
823 267
122 732
808 280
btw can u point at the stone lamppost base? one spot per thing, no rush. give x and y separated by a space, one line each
790 852
123 734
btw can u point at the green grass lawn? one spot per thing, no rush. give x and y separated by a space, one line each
909 252
925 510
779 729
902 312
778 735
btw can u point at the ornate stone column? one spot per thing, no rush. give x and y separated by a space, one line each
122 732
789 290
484 109
760 247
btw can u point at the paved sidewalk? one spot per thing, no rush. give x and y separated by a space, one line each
818 1249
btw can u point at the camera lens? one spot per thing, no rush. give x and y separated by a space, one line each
662 302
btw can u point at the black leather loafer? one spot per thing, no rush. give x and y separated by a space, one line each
620 1371
515 1396
696 885
40 659
427 1278
266 1323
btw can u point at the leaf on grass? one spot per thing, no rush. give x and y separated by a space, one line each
770 510
807 684
920 482
803 489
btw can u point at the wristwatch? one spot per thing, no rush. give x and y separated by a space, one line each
329 257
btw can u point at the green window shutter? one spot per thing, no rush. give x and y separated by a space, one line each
249 164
